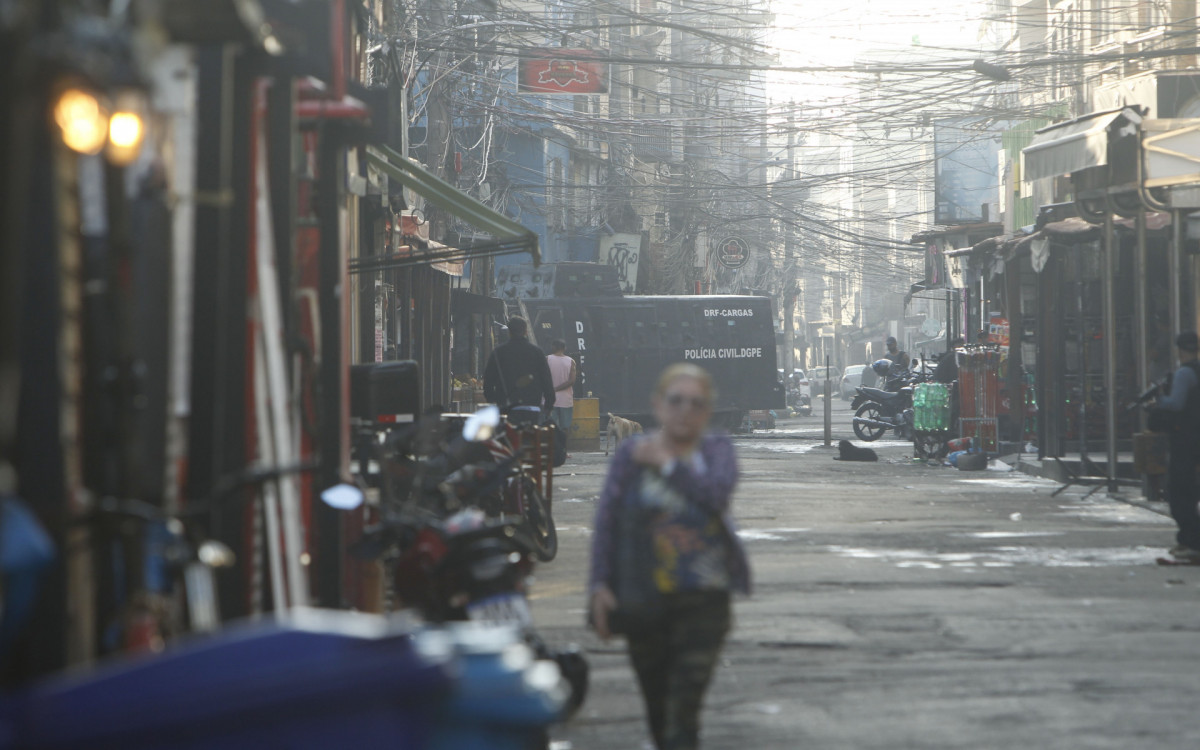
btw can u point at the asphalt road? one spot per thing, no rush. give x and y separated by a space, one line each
900 605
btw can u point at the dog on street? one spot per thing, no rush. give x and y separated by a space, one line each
619 428
848 451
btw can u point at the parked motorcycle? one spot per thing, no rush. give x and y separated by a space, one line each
800 402
878 410
444 465
470 565
500 484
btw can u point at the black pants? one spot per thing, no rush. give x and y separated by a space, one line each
1181 492
674 664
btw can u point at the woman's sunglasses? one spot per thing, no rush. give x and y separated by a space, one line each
676 400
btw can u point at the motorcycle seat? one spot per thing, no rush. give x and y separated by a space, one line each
876 394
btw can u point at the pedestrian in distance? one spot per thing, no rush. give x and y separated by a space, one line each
897 355
516 373
563 374
676 484
1180 410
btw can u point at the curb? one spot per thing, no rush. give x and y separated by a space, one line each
1035 470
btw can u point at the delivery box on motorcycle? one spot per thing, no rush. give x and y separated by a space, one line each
384 393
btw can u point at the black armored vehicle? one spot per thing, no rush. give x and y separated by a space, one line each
623 343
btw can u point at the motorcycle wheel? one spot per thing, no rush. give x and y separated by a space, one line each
869 410
541 523
929 445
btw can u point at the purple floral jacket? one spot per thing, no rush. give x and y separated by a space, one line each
711 489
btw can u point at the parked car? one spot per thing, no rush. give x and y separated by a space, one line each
852 378
818 375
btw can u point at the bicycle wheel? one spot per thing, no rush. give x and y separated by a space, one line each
541 524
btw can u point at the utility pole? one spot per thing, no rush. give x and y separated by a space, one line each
789 292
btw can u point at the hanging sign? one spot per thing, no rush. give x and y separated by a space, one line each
733 252
562 71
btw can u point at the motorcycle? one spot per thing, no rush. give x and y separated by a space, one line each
442 466
877 410
800 402
469 566
500 484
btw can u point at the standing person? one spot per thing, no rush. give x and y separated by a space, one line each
1183 404
680 479
947 367
516 373
897 355
562 373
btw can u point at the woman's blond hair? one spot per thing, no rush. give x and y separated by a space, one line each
686 370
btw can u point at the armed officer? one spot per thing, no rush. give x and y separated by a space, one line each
1182 408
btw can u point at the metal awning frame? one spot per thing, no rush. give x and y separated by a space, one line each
1070 146
507 237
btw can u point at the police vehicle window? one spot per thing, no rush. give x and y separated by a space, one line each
612 329
667 336
642 328
687 333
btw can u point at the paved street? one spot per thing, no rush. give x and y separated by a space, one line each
900 605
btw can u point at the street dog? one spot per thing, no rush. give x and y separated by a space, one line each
848 451
619 428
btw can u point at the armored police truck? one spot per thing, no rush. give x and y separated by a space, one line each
623 343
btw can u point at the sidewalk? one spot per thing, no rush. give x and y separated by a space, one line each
1052 470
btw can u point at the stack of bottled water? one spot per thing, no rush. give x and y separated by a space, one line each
931 407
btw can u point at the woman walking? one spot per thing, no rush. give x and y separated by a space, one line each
677 484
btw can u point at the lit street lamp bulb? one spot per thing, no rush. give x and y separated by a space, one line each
125 130
82 120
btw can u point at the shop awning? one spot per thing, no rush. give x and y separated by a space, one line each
501 235
463 302
1069 146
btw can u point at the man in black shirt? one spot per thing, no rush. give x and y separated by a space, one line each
517 373
947 367
896 354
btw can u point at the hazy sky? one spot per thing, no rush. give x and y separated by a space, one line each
823 33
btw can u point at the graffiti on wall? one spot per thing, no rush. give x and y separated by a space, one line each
621 251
